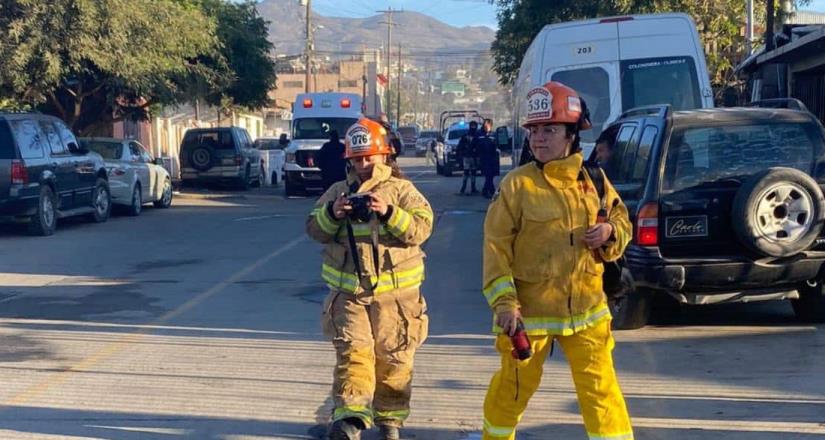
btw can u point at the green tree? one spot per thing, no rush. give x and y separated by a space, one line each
95 62
243 58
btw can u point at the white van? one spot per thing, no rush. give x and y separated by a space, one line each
616 64
314 116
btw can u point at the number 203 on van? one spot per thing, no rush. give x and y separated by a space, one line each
583 50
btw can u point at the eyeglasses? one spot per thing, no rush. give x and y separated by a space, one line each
547 129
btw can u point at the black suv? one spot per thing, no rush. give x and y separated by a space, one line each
220 154
45 175
727 206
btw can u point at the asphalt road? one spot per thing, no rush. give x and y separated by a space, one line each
201 322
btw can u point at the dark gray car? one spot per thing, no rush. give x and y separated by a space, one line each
45 175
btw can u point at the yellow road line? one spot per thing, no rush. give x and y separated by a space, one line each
115 347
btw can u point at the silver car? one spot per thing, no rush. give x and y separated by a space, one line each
135 177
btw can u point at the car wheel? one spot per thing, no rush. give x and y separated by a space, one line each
137 202
290 189
810 307
44 222
101 201
243 181
630 311
778 212
259 182
165 197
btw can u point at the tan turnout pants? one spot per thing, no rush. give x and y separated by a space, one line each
375 338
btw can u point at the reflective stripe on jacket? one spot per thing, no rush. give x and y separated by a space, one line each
535 258
399 236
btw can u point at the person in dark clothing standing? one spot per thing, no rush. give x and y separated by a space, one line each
468 157
283 141
331 161
488 158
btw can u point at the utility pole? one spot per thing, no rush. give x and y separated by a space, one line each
389 24
769 26
749 29
398 98
307 88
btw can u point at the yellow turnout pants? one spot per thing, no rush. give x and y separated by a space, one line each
600 398
375 338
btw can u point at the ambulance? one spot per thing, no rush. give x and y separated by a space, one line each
314 116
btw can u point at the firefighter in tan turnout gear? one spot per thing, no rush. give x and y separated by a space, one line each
544 241
372 226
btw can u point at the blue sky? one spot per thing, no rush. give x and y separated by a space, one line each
454 12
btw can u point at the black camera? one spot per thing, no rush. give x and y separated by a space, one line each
360 203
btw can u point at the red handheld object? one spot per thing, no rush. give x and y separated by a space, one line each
521 343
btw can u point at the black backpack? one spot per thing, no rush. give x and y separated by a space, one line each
615 283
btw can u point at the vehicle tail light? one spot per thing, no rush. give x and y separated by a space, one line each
345 103
647 225
307 103
615 19
238 160
19 174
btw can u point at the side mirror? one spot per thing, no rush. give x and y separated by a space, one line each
158 161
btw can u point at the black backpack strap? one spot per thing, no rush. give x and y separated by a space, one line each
596 176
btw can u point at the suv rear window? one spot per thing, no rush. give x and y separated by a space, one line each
701 155
29 139
219 140
6 141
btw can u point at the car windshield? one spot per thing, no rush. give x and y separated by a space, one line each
319 128
593 85
667 80
457 133
702 155
268 144
108 150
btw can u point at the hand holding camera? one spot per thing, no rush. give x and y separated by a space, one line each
359 206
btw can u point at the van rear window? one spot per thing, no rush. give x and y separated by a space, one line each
6 141
593 85
666 80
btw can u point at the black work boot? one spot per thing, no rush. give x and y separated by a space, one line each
389 432
346 429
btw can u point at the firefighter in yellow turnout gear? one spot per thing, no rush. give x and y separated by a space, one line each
541 238
373 265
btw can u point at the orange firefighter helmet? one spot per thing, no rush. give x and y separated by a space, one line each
555 103
366 138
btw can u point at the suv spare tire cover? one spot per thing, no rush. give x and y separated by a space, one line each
201 158
778 212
